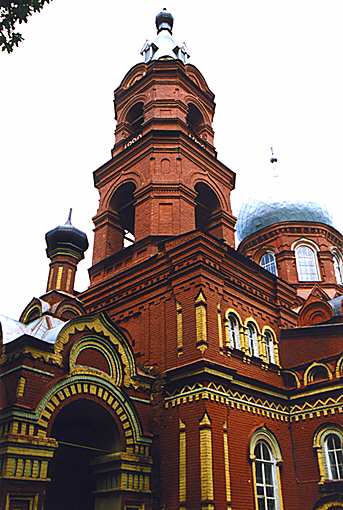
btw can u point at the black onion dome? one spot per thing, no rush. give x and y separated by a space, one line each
66 237
164 21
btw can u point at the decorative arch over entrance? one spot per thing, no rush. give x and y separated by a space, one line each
332 502
85 431
111 396
100 443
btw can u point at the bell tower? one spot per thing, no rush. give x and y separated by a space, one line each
164 178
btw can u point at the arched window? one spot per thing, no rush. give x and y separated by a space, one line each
316 373
206 205
265 455
195 120
268 262
252 339
307 264
270 347
290 380
328 443
232 332
122 205
135 119
266 483
334 456
338 267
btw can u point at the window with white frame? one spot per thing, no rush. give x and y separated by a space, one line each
328 443
232 326
266 480
334 456
307 263
338 267
252 339
269 347
268 262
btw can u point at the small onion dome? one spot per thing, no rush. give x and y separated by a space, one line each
164 21
256 215
66 237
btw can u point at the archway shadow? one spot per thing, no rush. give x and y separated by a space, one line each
84 430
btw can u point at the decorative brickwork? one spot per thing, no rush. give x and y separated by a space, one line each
186 376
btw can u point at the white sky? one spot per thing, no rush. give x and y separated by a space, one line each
276 70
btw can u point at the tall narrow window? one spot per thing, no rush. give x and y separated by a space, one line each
232 329
270 347
307 265
266 479
328 443
123 220
338 267
268 262
334 456
252 339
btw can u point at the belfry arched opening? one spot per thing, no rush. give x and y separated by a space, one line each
85 432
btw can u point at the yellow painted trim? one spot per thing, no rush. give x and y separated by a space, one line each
242 340
307 373
201 298
251 319
59 277
182 464
297 380
114 365
69 275
339 367
318 445
330 505
220 327
278 480
206 461
179 328
32 500
97 326
21 387
282 411
201 322
227 465
275 342
51 274
245 325
128 422
253 467
232 310
318 391
264 434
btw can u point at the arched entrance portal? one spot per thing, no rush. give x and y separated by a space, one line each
84 431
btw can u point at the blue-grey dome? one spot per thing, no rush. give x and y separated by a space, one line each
256 215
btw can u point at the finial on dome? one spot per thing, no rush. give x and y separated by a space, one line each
68 222
164 47
164 21
273 159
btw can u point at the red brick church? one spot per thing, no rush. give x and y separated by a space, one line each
192 374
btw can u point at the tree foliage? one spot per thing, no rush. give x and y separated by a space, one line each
12 13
